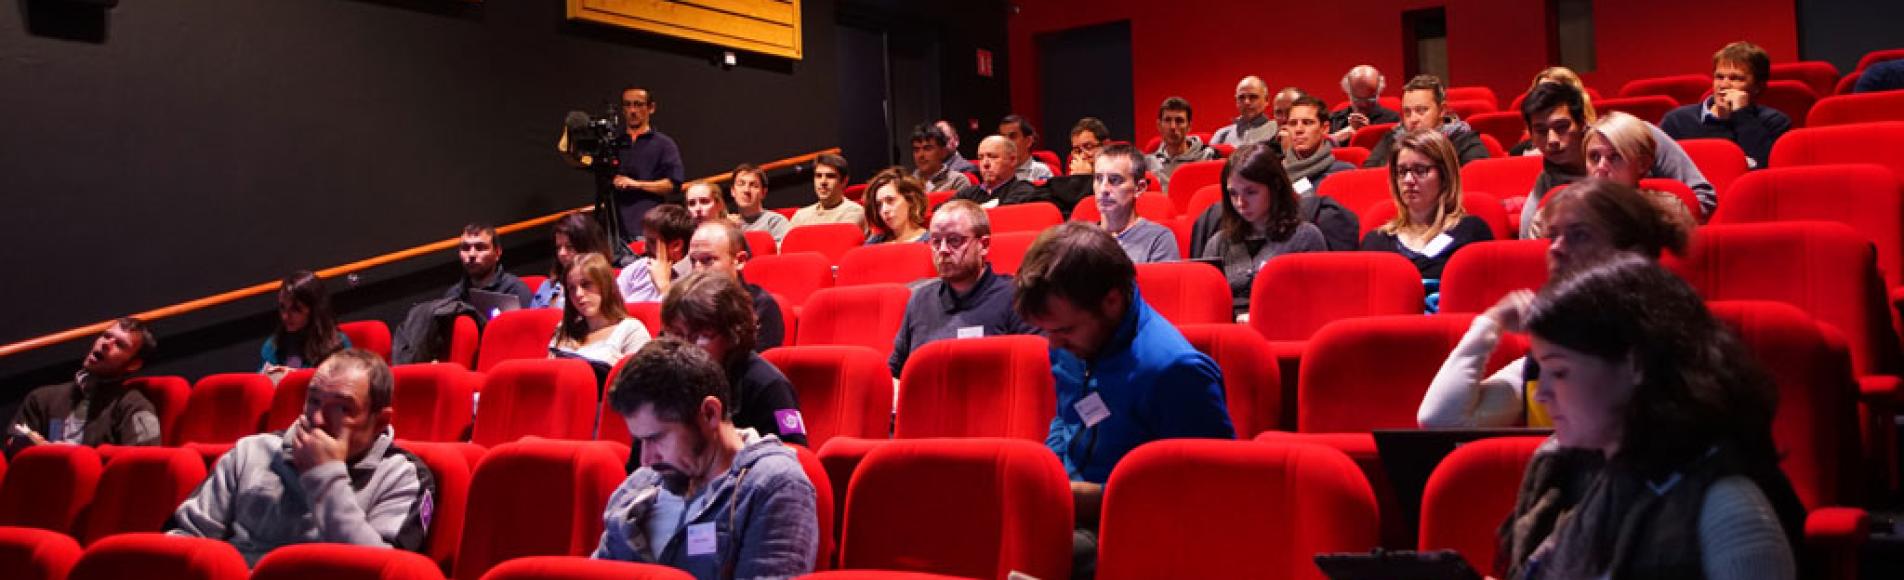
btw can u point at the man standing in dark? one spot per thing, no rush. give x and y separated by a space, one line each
650 168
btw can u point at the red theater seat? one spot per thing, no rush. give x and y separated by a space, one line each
1857 108
1470 493
1816 428
167 394
1151 206
537 498
1682 88
873 575
1008 250
1205 197
1494 148
1024 217
900 263
431 402
1649 108
1252 386
1793 98
1463 109
1686 196
1477 204
48 486
1357 189
1186 292
1720 160
452 468
1354 156
339 561
36 554
856 193
552 398
843 390
1865 197
1481 273
830 240
1189 177
1820 76
1341 392
761 243
792 275
1881 143
996 386
1877 56
1504 178
1367 137
1593 96
371 335
287 400
995 505
577 568
1263 510
1506 126
1294 295
464 338
867 316
223 408
139 490
159 556
517 334
1473 93
1051 159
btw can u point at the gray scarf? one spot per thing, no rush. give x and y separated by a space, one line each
1310 167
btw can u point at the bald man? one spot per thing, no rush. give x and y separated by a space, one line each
998 182
1251 125
1364 86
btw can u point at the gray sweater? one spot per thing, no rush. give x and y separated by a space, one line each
762 512
1148 242
256 500
1240 265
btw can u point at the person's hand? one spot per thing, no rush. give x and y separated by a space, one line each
275 372
313 447
661 268
1511 312
1357 121
1080 166
23 432
626 182
1725 101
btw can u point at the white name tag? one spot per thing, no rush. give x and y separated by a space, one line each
1091 408
1303 185
701 539
989 205
972 332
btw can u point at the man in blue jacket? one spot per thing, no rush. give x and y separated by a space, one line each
1125 376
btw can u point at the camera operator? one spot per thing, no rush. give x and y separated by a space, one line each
650 169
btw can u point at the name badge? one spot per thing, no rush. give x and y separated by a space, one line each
1091 408
1303 185
701 539
972 332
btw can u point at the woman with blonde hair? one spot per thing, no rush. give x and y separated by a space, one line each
1669 159
1424 178
595 324
1621 149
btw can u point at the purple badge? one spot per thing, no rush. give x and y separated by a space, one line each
425 507
790 423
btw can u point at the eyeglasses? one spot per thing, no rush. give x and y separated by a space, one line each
952 242
1416 171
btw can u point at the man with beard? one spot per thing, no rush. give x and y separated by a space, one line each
95 408
481 258
709 498
968 300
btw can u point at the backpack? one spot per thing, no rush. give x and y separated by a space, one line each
425 333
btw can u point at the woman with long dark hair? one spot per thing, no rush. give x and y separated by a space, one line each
575 234
1260 219
307 329
1636 370
595 324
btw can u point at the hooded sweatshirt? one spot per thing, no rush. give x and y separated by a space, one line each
757 520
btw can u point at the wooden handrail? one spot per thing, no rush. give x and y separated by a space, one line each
223 298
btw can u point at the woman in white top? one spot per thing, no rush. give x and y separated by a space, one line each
1586 224
595 325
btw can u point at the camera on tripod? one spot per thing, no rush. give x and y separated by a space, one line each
595 141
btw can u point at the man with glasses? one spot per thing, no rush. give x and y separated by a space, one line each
1364 86
1118 180
1252 98
1087 137
968 300
650 167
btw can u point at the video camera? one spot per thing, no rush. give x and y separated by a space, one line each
596 141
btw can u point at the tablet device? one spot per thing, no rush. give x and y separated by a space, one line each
493 303
1397 565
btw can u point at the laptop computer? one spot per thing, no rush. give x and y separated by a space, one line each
1410 455
493 303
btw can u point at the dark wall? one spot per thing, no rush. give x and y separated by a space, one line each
1841 31
161 152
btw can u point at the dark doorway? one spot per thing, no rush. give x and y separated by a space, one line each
1425 43
1085 72
865 115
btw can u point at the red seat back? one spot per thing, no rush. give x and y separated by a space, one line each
1008 250
1473 93
843 390
1793 98
1504 178
1205 197
1294 295
1505 126
1857 108
1682 88
1477 204
1024 217
223 408
1357 189
450 465
1252 385
464 338
830 240
552 398
1649 108
1341 392
1463 109
1881 143
1877 56
1470 493
1820 76
308 561
1367 137
1720 160
537 498
167 394
1049 159
856 193
1186 292
866 316
1494 148
139 490
517 334
159 556
36 554
996 386
47 486
579 568
371 335
1481 273
1816 425
1262 510
823 507
1189 177
287 400
1355 156
1865 197
1680 190
896 263
792 275
431 402
996 506
761 243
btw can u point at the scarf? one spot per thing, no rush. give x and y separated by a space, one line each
1309 168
